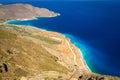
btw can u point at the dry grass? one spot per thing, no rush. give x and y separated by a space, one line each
7 35
26 57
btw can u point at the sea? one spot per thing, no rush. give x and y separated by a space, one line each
93 26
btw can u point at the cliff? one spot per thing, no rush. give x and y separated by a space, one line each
28 53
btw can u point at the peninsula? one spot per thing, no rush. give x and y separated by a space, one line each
24 12
29 53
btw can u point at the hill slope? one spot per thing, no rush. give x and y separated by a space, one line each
30 54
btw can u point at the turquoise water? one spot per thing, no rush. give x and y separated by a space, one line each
81 45
93 26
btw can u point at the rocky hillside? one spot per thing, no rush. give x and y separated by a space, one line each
28 53
24 11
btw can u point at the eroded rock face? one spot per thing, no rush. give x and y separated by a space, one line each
24 11
3 68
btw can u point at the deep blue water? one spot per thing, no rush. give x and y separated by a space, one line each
93 26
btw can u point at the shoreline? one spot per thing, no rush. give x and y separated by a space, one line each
81 53
71 40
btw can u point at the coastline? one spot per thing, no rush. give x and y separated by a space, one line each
81 48
71 40
80 51
35 18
